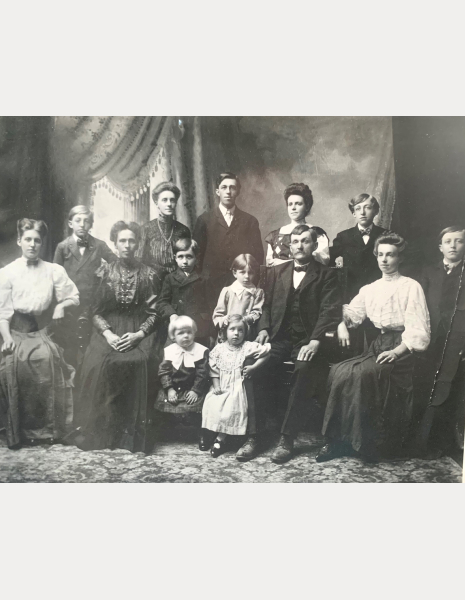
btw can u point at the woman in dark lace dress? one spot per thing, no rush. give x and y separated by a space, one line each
119 371
157 237
299 202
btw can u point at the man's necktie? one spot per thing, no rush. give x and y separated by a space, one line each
299 268
83 243
365 232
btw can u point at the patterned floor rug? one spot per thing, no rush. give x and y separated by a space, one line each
179 461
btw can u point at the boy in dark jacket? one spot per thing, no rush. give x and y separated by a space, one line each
81 255
443 423
184 291
353 249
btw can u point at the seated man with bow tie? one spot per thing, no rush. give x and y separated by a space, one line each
81 255
302 304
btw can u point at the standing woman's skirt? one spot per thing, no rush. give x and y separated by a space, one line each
36 389
369 404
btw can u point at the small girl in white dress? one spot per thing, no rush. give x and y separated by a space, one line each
242 297
225 407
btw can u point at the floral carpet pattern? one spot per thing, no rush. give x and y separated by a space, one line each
179 461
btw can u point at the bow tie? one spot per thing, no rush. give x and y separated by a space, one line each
365 231
449 268
299 268
83 243
32 263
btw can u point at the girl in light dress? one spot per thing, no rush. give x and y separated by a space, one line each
225 407
242 297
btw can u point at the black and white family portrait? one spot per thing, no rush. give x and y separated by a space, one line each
232 299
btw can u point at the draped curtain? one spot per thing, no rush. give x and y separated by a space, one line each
128 156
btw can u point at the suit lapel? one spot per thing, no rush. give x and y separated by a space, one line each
310 275
88 252
74 248
219 216
286 280
357 237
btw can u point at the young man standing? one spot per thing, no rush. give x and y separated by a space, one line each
442 427
222 234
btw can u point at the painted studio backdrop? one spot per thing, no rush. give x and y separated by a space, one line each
113 163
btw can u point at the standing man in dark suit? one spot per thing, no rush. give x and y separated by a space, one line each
353 249
222 234
302 304
442 426
81 255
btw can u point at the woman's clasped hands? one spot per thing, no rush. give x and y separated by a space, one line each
126 342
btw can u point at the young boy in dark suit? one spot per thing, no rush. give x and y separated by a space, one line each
353 249
81 255
184 291
442 426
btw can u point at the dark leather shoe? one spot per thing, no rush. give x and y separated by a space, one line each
204 441
249 450
217 448
284 450
329 452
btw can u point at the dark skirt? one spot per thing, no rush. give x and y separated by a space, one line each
369 404
35 387
117 392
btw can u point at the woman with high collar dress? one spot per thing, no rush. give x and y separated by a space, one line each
35 381
157 237
118 383
369 408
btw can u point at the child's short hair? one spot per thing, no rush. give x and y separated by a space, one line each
452 229
228 175
302 190
166 186
81 209
234 319
185 243
361 198
179 323
244 261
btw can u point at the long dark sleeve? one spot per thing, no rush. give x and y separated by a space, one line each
59 258
164 305
265 319
200 236
107 253
335 250
330 314
165 374
256 241
201 375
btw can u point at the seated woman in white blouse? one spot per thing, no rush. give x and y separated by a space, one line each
299 202
35 382
369 408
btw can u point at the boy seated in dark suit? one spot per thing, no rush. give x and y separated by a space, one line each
81 255
184 291
353 249
443 423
